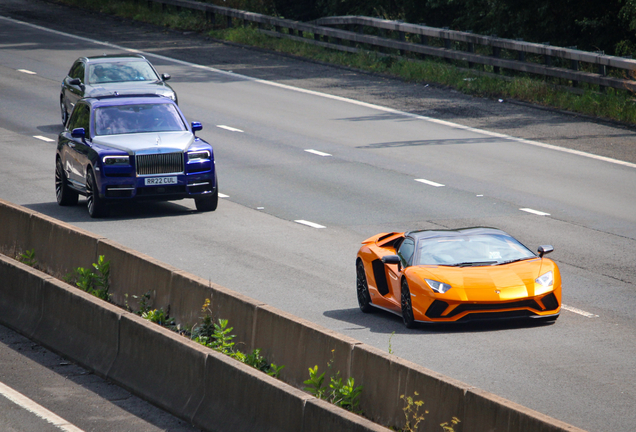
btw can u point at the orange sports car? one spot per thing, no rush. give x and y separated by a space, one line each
457 276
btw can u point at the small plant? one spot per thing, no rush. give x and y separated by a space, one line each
446 427
159 316
341 393
412 412
28 258
391 337
93 282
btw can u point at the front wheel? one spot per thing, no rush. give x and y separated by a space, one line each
209 203
364 298
96 205
407 307
63 110
64 194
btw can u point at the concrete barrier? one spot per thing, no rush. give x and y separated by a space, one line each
283 338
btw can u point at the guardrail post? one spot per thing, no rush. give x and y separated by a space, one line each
471 49
360 28
546 58
246 23
574 65
210 16
401 38
229 22
496 53
316 37
521 55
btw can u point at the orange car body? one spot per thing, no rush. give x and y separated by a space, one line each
484 291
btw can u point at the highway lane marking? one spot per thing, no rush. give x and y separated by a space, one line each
316 152
223 195
231 129
333 97
26 71
537 212
311 224
579 311
430 183
29 405
43 138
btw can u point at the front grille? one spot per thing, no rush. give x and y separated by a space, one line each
165 163
482 307
550 301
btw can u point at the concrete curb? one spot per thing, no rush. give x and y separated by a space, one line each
203 386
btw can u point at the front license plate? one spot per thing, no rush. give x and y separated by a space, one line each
153 181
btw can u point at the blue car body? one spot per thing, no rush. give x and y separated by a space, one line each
117 149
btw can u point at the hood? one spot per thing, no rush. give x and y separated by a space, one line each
489 283
149 142
128 88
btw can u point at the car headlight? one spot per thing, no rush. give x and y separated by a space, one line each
199 155
438 287
546 279
116 160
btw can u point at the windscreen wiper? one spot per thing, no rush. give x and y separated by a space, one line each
472 263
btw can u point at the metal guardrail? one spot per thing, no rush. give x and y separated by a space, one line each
454 45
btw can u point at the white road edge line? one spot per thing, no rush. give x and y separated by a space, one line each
311 224
231 129
430 183
43 138
328 96
537 212
223 195
578 311
316 152
26 403
26 71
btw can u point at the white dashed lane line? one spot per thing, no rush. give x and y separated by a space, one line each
26 71
229 128
316 152
579 311
43 138
29 405
430 183
311 224
536 212
223 195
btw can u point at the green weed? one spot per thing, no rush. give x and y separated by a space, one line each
95 282
28 258
342 393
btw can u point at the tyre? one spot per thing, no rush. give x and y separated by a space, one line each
63 111
364 298
209 203
407 308
96 206
63 192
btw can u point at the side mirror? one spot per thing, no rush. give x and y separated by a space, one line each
165 77
545 249
392 259
78 133
196 126
75 82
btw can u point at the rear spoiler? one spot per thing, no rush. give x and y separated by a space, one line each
383 238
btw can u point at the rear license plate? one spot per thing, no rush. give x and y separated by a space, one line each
154 181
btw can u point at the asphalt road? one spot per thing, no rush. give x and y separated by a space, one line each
579 370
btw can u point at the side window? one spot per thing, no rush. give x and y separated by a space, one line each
77 71
405 252
80 118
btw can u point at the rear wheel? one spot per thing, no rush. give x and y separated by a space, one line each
407 308
364 298
64 194
96 205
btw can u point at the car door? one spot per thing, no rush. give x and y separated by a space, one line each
74 92
394 271
76 158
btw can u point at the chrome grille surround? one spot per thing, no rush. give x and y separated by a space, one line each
159 163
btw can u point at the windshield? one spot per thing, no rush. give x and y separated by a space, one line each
102 73
484 249
125 119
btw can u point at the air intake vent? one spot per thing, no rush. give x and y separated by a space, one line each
166 163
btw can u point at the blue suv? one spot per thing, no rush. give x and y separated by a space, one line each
119 148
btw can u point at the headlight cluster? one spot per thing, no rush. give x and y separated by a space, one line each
199 155
546 279
116 160
438 287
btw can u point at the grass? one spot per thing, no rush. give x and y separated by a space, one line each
618 105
